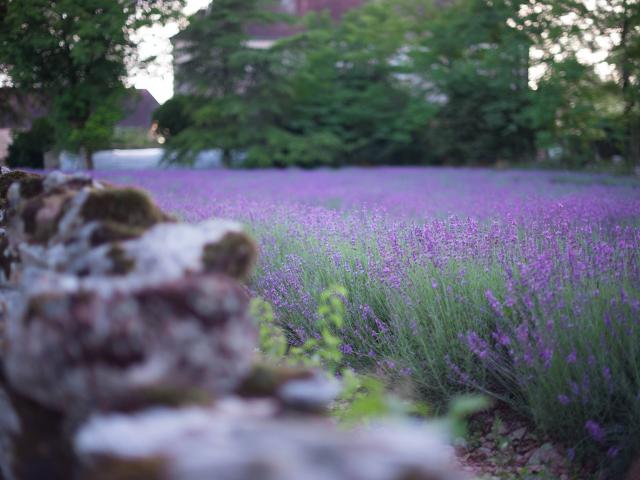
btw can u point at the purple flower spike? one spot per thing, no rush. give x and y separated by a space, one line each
595 430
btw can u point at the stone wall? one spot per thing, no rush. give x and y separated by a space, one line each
128 352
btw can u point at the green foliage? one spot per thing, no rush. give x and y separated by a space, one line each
28 148
174 116
562 112
395 82
412 81
363 397
478 66
74 56
272 340
225 76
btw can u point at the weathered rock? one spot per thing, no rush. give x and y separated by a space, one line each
72 350
66 205
240 440
33 183
165 251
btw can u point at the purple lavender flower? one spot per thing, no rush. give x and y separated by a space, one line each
595 430
494 303
346 349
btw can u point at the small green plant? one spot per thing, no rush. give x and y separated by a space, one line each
273 342
363 397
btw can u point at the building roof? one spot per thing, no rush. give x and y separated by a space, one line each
138 109
18 109
336 8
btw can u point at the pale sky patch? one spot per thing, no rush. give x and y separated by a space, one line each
157 76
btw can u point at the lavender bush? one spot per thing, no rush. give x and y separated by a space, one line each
525 285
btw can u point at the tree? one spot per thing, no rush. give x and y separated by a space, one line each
621 19
599 34
222 69
345 94
562 111
75 54
474 63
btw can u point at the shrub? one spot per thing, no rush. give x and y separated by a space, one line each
28 148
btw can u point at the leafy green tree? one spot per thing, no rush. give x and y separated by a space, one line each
602 33
562 113
621 19
350 93
174 115
474 63
222 69
75 54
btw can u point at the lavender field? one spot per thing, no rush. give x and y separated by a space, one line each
523 285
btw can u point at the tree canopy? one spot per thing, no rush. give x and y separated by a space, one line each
75 55
416 81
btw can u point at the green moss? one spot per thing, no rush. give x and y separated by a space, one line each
121 263
111 468
126 206
32 182
234 255
109 231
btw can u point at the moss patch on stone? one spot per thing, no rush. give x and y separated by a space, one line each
234 255
126 206
110 468
161 396
107 232
31 181
122 264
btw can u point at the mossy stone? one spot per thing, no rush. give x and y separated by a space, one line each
160 396
33 183
111 468
42 229
107 232
234 255
122 264
126 206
